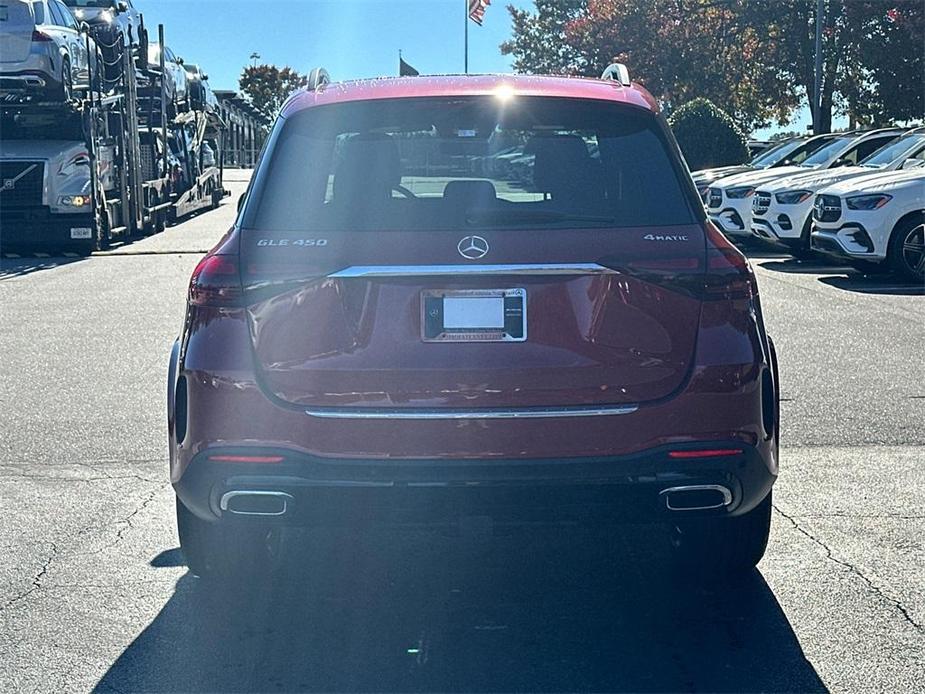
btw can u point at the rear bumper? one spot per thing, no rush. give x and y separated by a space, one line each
334 492
31 84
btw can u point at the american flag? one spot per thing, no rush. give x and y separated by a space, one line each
477 10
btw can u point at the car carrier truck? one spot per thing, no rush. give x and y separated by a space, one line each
80 174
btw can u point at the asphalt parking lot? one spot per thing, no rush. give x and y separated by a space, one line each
95 595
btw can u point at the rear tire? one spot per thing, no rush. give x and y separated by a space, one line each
217 552
710 548
67 81
906 253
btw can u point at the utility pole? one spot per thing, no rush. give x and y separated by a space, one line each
255 56
817 86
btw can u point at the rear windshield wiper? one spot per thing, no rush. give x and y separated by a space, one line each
506 217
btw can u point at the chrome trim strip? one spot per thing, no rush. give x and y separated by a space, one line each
727 496
525 413
509 269
228 496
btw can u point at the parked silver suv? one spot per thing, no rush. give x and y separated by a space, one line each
114 14
43 53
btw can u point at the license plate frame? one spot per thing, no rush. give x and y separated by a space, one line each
514 308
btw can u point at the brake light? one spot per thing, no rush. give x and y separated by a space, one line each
706 453
729 274
216 281
246 458
41 36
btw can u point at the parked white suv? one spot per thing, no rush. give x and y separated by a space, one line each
43 53
782 209
729 200
875 219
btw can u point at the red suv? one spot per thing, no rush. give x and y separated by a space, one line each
491 296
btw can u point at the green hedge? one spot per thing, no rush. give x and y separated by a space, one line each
708 136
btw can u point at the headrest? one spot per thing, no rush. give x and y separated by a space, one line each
558 159
369 161
469 192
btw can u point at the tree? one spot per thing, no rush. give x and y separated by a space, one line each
538 44
883 76
268 86
753 58
679 49
708 136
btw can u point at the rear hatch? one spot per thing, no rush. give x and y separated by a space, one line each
387 265
16 27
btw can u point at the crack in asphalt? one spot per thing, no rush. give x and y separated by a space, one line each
51 478
125 523
9 469
36 580
853 569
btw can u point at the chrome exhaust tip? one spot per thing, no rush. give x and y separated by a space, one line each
697 497
244 502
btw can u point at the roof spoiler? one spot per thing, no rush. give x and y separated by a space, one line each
317 78
618 73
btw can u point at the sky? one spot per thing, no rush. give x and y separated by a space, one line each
349 38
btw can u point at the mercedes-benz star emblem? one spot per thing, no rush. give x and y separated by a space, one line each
472 247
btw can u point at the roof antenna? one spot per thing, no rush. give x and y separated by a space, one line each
317 78
618 73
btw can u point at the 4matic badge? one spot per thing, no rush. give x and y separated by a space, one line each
661 237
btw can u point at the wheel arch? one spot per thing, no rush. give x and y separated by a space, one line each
911 216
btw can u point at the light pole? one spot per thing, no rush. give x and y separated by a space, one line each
255 57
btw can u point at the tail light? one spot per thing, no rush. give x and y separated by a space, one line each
216 281
729 275
705 453
41 36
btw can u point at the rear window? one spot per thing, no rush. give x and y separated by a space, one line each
463 163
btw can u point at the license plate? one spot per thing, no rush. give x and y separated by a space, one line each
474 315
81 233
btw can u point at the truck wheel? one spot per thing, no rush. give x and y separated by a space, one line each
711 548
906 254
103 237
160 219
222 554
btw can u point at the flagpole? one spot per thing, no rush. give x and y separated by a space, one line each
466 33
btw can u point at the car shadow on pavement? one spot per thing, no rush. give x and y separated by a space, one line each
875 284
575 611
11 267
792 265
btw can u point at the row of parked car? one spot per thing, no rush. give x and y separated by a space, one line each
52 48
854 196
